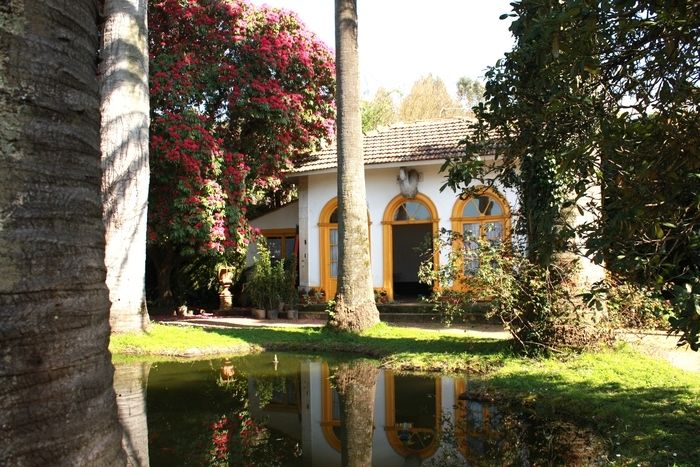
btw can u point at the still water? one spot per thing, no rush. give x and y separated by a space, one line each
286 410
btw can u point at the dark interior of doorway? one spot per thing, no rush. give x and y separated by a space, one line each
411 245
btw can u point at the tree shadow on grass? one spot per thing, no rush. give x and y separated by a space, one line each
642 425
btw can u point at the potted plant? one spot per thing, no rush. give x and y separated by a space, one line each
292 292
265 286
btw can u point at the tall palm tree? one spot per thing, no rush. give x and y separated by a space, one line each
123 75
355 309
57 404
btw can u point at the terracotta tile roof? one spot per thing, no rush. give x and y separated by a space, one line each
401 142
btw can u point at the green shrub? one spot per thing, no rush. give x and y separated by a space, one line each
266 286
541 307
634 306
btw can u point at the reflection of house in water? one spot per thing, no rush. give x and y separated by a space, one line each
408 411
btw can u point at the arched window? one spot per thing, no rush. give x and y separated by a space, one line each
412 211
328 229
482 217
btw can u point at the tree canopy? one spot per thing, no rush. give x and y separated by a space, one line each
238 93
428 99
380 111
470 92
603 93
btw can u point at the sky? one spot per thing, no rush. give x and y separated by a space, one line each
401 41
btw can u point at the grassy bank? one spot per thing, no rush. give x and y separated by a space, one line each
395 347
646 411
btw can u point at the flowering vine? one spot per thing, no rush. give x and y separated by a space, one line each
238 95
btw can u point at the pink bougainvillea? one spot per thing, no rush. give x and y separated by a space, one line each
238 94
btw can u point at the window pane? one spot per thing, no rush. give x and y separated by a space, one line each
333 252
470 231
494 231
416 210
401 214
471 209
275 246
334 217
496 209
289 247
485 204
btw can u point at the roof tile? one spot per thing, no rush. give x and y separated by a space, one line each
401 142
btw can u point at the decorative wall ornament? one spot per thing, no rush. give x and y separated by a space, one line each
408 182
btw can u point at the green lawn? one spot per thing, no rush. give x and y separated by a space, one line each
647 412
397 348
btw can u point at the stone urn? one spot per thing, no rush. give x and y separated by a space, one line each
225 281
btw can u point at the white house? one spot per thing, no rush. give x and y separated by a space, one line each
398 160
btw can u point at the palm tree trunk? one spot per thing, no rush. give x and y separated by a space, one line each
355 309
57 404
125 109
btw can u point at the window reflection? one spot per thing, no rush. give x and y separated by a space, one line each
412 211
333 245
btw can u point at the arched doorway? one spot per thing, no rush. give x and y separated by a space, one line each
409 225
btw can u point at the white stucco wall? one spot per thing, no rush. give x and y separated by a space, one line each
286 217
382 187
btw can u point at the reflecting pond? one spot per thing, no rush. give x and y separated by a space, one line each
286 409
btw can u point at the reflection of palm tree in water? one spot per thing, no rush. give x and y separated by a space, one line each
356 384
130 382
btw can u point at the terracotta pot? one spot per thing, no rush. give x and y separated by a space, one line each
257 313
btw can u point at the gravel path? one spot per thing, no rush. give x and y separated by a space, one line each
660 345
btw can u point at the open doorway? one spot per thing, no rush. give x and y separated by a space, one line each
412 243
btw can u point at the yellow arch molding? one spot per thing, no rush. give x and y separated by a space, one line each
457 220
329 284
